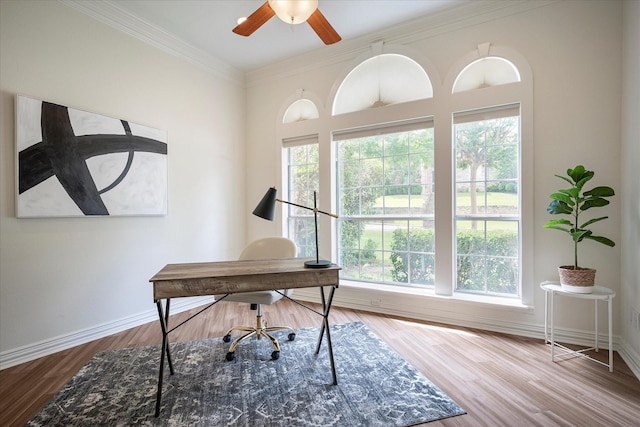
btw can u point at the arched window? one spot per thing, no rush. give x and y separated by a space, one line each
486 72
382 80
302 109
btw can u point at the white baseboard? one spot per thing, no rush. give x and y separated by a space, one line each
631 358
30 352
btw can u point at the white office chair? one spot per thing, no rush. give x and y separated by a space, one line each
267 248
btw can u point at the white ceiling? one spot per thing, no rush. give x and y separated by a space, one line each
206 25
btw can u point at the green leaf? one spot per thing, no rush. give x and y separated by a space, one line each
585 177
563 198
572 192
602 240
561 221
565 178
601 191
593 220
595 202
579 235
576 173
555 227
557 207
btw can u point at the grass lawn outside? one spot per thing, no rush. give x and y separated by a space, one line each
463 199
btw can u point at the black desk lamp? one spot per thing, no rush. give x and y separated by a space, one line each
267 209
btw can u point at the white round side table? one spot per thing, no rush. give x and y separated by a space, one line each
600 293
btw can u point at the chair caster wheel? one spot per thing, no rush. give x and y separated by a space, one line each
231 356
226 338
275 355
292 336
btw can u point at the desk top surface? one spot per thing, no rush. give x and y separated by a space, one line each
210 278
234 268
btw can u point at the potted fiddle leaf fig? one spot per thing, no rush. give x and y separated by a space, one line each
572 203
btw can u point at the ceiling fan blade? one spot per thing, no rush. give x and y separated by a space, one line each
323 29
255 20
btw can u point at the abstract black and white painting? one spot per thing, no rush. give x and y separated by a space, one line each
75 163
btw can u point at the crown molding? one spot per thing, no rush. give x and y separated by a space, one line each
112 15
462 16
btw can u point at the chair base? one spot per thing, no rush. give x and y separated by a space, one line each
259 331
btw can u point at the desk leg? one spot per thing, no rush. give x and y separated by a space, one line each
326 307
322 328
610 314
164 321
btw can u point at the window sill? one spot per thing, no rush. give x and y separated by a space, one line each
497 302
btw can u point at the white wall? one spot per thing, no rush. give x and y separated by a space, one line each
574 49
630 282
63 280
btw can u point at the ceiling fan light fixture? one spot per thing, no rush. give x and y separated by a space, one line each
293 11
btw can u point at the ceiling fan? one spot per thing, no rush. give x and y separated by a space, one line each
291 12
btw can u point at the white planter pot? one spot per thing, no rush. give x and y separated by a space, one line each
580 281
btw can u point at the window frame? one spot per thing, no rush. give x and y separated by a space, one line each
440 107
475 116
421 123
305 249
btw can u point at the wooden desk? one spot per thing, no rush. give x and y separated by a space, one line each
229 277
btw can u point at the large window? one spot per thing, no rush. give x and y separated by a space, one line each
487 207
433 188
385 194
302 181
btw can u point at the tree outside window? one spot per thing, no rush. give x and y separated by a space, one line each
487 214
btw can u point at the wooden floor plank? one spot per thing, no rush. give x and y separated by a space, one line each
500 380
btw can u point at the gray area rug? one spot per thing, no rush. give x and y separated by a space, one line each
376 387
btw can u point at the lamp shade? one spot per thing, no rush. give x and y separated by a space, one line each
267 207
293 11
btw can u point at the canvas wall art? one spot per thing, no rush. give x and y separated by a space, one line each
76 163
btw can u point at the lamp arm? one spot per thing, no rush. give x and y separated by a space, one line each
308 208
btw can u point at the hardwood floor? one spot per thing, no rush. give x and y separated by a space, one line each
500 380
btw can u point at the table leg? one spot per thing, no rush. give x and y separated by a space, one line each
546 316
553 340
610 315
596 311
